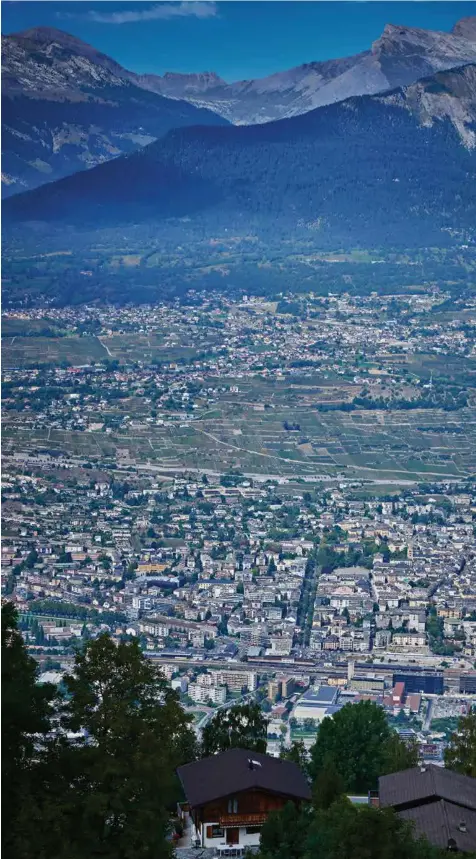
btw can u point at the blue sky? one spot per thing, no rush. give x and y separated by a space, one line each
235 39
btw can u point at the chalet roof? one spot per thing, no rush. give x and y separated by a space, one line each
442 822
237 770
417 785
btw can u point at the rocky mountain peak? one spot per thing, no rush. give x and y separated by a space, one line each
67 52
466 28
207 78
45 35
400 39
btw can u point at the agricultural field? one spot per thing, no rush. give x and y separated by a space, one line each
387 446
251 388
19 352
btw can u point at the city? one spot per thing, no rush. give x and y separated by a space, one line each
218 495
238 380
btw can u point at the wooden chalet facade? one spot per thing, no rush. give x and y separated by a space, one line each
231 794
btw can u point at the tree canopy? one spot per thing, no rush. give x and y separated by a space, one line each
460 754
296 753
359 744
243 726
136 735
341 831
103 782
26 710
365 832
91 771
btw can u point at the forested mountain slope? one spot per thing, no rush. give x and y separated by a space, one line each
397 167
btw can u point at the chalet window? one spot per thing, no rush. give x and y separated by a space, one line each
253 830
215 832
233 806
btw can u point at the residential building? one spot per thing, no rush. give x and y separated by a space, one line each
230 795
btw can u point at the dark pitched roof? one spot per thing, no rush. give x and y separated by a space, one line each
443 821
417 785
230 772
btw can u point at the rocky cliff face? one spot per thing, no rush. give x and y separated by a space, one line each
466 28
399 57
67 107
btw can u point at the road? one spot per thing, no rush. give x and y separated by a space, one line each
233 703
429 716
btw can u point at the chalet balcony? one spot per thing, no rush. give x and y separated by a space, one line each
242 819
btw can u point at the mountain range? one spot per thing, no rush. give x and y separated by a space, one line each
68 107
393 169
398 58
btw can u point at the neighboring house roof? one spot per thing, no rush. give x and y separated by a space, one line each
237 770
443 822
423 784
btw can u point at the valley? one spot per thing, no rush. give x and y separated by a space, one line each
238 342
378 390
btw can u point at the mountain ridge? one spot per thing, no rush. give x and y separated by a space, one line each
67 107
359 171
400 56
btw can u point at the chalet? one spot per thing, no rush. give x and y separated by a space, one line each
441 804
231 794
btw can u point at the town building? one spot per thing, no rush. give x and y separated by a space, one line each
318 703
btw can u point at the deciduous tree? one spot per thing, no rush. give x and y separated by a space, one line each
296 753
460 754
243 726
346 830
284 834
358 742
121 776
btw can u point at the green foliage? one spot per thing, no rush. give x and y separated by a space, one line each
137 735
460 754
284 834
328 785
360 745
297 754
339 832
436 636
445 725
398 755
54 608
345 830
243 726
109 792
26 709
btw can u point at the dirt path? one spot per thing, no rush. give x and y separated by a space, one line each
245 450
106 348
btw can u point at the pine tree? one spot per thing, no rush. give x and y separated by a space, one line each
26 711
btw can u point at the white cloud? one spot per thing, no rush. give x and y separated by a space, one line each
163 11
